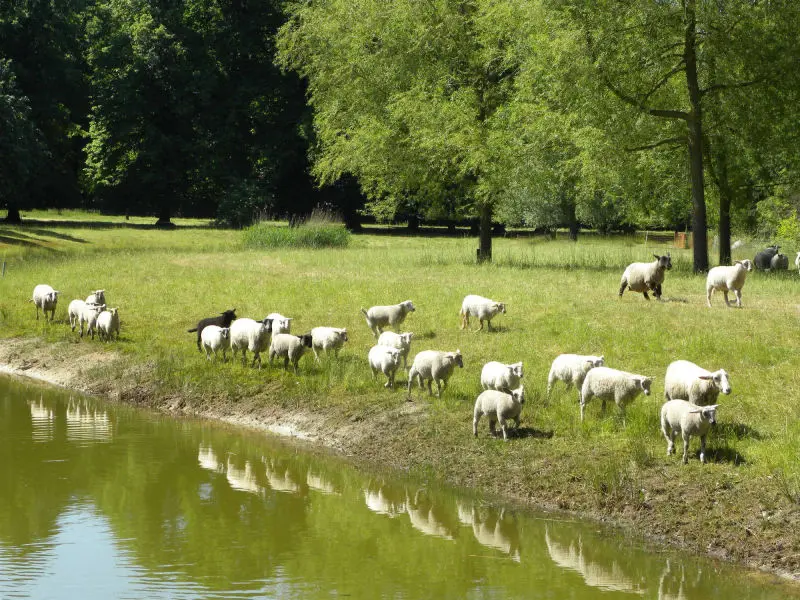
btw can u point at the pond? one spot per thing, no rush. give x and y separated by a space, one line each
99 500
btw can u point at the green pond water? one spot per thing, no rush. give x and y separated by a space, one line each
104 501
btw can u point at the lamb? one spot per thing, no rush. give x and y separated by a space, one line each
215 338
386 360
280 324
763 260
498 376
481 308
680 416
108 323
572 369
433 365
685 380
379 317
642 277
74 311
327 338
401 341
611 384
247 334
89 316
779 262
289 347
498 406
728 279
224 319
46 299
96 297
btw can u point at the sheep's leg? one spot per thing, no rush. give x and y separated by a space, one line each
516 422
390 382
286 363
492 425
709 293
481 327
464 321
439 388
295 363
685 448
646 297
430 387
503 428
738 298
703 449
374 374
550 380
475 420
669 436
657 291
584 402
725 295
623 284
489 324
316 354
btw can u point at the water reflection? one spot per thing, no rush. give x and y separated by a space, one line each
142 506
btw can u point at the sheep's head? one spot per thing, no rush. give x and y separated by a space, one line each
306 339
408 306
500 307
720 380
457 358
664 262
343 334
643 382
596 361
267 323
51 298
114 311
99 296
406 337
519 394
224 332
516 368
228 316
747 264
708 413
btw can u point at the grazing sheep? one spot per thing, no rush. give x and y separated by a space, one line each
215 338
280 324
386 360
379 317
108 323
728 279
247 334
763 260
433 365
289 347
74 311
224 319
482 309
401 341
572 369
96 297
89 316
690 382
779 262
46 299
498 376
680 416
611 384
327 339
498 406
643 277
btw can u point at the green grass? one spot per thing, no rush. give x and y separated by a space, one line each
319 231
561 297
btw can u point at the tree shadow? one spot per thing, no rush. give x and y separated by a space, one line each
60 236
738 430
675 300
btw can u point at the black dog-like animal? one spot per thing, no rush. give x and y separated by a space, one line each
223 320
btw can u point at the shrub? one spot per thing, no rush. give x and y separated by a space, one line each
322 229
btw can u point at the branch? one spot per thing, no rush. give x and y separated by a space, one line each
661 82
681 139
729 86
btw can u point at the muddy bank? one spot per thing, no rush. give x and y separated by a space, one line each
735 519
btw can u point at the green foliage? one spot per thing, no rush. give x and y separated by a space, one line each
320 230
241 205
777 220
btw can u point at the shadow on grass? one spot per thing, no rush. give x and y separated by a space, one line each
738 430
530 432
26 223
724 455
60 236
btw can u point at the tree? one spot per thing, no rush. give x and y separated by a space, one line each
407 98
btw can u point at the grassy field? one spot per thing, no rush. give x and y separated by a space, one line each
561 297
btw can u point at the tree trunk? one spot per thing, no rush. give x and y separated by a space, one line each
13 217
695 126
165 215
485 247
572 221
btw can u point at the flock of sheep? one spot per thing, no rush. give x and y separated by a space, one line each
690 390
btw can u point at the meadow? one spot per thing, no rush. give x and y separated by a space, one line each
561 297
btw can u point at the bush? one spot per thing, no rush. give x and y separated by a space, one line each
241 205
322 229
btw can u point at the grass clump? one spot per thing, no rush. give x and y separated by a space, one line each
321 230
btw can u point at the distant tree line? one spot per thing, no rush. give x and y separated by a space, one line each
608 114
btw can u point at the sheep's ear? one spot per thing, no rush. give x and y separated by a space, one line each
657 256
695 410
738 262
705 377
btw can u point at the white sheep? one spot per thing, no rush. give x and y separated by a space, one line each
401 341
46 299
74 311
89 316
498 406
289 347
386 360
327 339
379 317
498 376
680 416
797 262
611 384
96 297
481 308
215 338
779 262
280 324
643 277
248 334
108 323
685 380
728 279
433 365
572 369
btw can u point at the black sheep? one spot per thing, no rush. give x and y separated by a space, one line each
223 320
763 259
